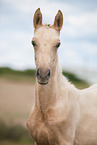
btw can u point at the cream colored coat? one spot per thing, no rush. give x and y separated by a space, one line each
62 114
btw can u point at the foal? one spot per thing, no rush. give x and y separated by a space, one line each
62 114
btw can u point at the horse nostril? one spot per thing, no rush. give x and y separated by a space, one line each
48 73
38 72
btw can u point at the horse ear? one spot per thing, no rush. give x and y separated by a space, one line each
37 21
58 22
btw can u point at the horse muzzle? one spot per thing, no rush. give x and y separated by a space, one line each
43 76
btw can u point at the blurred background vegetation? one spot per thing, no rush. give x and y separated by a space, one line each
29 76
16 100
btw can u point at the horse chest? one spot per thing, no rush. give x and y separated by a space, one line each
42 130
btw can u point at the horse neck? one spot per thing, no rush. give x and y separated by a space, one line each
46 95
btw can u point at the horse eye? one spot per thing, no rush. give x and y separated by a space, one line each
33 43
58 45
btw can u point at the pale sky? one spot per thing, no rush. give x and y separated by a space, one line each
78 35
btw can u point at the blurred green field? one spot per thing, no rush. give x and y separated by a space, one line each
28 76
16 101
18 76
14 135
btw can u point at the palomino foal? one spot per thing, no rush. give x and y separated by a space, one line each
62 114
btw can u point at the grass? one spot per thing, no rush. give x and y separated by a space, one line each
14 143
20 76
14 135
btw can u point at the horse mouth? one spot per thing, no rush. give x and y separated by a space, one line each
43 83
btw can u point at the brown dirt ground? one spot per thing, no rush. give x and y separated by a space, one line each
16 101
